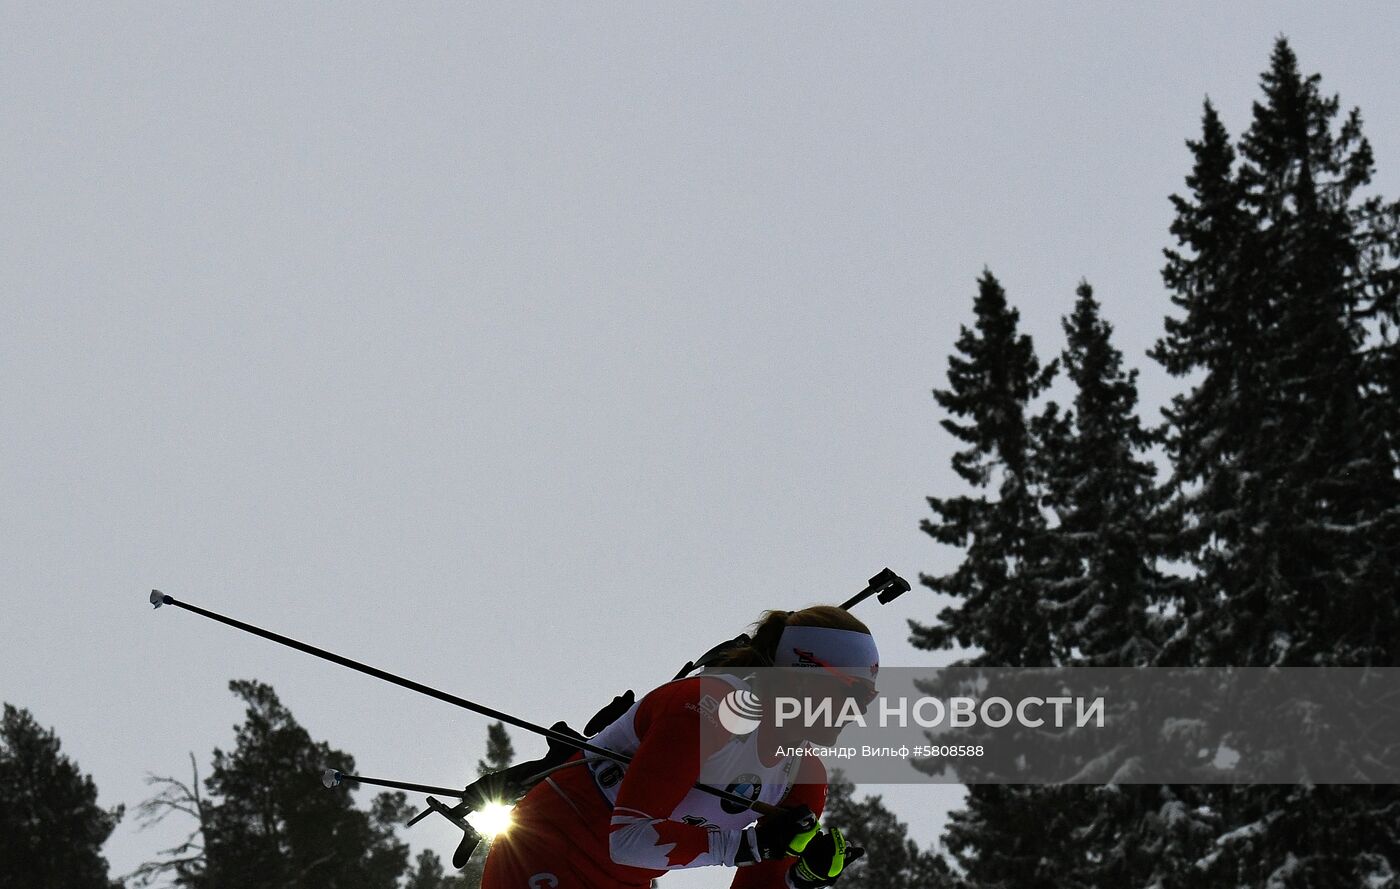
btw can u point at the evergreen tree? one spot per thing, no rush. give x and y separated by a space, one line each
1108 591
1285 503
1284 455
892 860
428 873
1210 427
1004 609
51 827
991 382
499 751
1106 596
1286 477
265 818
1027 836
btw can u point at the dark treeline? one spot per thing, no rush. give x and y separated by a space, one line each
260 817
1273 539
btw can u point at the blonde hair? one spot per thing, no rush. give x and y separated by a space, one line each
763 644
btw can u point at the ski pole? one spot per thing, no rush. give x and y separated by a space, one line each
333 778
158 599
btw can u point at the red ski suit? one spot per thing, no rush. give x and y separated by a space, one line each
591 827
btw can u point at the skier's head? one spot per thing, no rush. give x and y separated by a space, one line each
822 636
832 655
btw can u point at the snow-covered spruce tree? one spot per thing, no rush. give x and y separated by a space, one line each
1104 591
1282 457
1285 479
1156 834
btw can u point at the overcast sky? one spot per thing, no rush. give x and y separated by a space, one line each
531 351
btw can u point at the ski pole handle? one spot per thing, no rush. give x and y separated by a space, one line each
888 585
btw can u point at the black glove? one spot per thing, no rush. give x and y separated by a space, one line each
823 859
777 836
610 714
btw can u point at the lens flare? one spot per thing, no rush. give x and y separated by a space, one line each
491 820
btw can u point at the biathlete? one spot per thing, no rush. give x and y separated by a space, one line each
602 825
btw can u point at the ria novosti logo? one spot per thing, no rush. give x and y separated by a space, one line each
740 711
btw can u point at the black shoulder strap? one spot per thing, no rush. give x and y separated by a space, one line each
713 655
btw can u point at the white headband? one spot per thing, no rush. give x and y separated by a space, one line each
846 651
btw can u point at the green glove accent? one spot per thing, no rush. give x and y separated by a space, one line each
799 840
822 861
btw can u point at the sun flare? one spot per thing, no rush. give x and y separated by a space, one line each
492 819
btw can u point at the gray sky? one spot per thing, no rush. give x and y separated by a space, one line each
529 352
